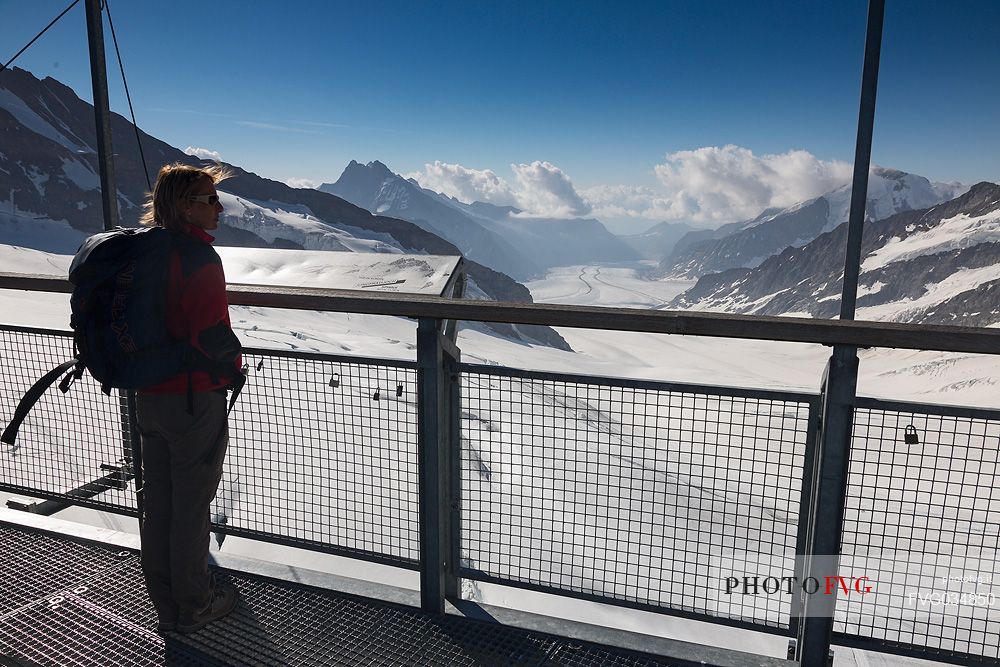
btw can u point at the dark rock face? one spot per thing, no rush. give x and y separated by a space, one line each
747 244
49 169
809 279
751 246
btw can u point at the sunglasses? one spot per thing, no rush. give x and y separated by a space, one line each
211 200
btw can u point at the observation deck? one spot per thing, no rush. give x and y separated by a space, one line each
615 491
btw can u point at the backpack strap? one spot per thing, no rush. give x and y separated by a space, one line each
31 396
239 381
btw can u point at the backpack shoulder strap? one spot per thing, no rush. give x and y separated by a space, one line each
31 397
192 252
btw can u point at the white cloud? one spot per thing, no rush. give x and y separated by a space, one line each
203 153
708 185
467 185
628 202
544 189
301 183
731 183
539 188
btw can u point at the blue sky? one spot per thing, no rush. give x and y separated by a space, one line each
535 103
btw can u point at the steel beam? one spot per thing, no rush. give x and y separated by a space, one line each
825 516
102 113
862 158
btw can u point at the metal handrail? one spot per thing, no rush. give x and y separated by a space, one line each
755 327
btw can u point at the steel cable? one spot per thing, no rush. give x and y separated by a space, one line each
114 38
35 38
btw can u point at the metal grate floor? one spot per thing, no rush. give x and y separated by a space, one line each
63 603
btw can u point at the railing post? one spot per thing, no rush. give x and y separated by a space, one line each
438 421
803 534
825 518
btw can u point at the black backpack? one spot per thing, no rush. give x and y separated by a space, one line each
119 317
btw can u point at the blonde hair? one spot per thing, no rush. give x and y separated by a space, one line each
174 184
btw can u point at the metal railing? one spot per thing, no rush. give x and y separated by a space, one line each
623 490
606 489
923 516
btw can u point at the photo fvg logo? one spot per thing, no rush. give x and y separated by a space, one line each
771 585
917 585
768 583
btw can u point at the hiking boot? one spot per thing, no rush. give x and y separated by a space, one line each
222 603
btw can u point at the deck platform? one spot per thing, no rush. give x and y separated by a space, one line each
65 602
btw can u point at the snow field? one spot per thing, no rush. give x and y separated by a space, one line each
612 491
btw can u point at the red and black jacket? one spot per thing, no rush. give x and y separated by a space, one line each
198 312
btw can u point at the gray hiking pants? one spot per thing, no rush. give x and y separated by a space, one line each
182 457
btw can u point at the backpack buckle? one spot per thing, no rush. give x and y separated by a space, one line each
74 374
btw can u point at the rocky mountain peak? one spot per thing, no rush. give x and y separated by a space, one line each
380 169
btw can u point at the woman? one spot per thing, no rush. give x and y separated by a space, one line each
182 421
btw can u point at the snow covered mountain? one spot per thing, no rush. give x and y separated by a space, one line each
747 244
375 188
498 236
50 194
937 265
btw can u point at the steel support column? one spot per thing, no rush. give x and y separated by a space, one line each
828 495
862 158
109 188
825 516
438 415
102 113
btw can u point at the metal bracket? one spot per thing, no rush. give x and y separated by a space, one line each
792 643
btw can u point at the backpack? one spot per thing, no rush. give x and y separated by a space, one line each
119 317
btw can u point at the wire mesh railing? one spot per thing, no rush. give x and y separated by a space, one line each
606 489
322 451
625 491
323 454
67 441
923 521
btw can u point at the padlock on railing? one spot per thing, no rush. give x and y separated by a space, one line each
910 436
334 380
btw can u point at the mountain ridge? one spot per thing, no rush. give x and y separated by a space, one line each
937 265
49 181
750 242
